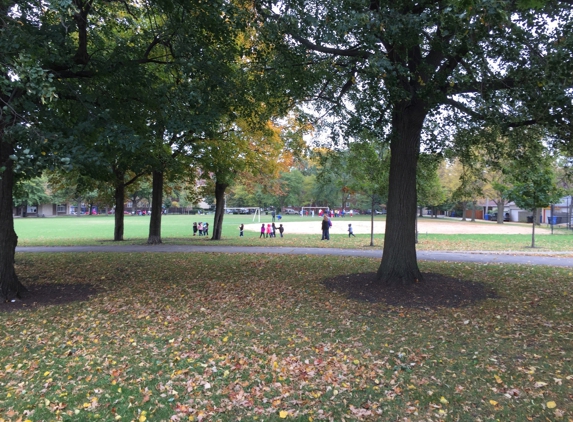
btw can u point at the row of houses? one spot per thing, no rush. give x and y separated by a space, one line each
54 210
559 213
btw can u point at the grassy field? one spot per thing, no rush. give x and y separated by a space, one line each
177 229
242 337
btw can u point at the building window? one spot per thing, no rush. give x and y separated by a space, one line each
32 210
61 208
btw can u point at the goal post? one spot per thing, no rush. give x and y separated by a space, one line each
314 211
257 213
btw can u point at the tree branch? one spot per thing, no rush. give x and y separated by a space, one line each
352 52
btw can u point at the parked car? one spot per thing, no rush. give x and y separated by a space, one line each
290 211
493 217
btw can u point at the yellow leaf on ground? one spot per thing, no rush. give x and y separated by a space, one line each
493 402
551 405
283 414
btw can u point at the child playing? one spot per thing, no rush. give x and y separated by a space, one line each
350 231
241 228
281 230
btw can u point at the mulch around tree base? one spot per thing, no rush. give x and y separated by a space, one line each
49 294
435 291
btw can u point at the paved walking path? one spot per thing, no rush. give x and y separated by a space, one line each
479 257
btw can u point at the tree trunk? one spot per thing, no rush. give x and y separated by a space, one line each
156 201
500 211
421 211
119 206
533 228
464 209
399 264
219 210
134 204
10 286
372 222
473 211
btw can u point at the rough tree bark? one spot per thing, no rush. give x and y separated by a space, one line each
10 285
219 210
119 206
464 209
399 264
156 201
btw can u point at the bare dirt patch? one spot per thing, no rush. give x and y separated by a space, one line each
39 295
436 290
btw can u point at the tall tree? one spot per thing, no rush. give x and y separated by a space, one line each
369 164
411 65
241 148
534 186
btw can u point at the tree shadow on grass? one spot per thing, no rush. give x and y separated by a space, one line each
47 294
436 291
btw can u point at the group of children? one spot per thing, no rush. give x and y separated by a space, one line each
270 230
202 228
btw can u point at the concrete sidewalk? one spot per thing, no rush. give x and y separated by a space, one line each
479 257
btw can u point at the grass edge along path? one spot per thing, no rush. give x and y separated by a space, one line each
222 337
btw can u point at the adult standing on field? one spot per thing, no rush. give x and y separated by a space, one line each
325 228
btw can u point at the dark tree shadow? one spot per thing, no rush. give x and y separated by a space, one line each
47 294
435 291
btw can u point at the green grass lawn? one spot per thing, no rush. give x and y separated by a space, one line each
229 337
177 229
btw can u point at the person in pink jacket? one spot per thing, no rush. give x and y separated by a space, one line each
268 230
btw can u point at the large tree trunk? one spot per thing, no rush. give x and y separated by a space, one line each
10 286
156 201
119 206
464 209
399 262
219 210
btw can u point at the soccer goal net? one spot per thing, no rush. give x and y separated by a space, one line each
314 211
